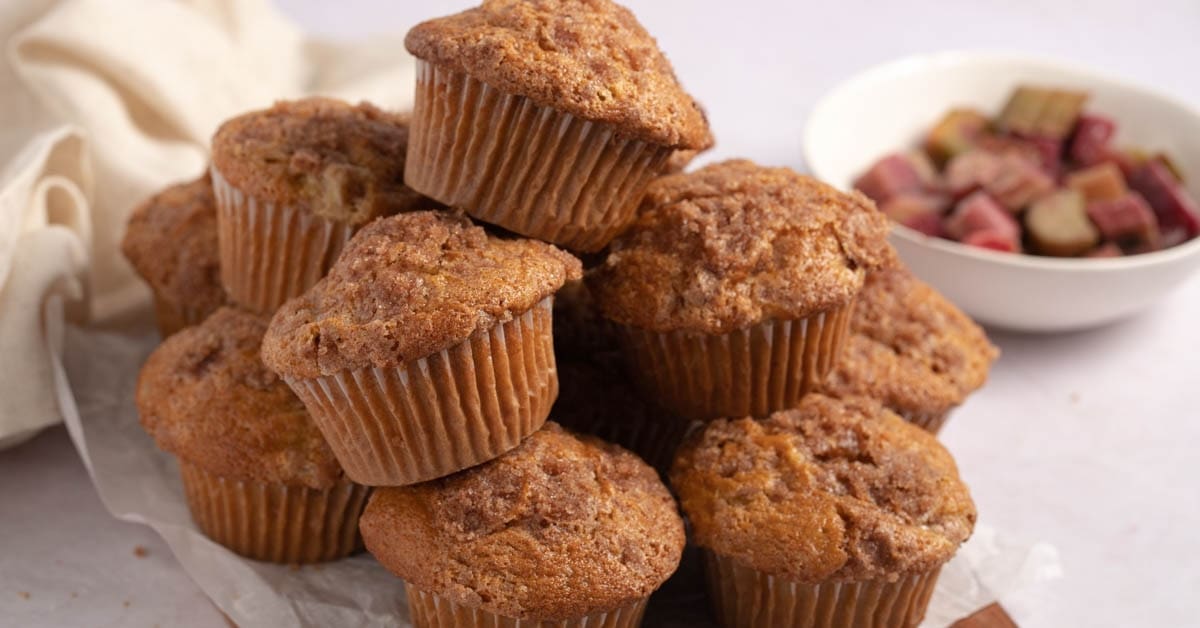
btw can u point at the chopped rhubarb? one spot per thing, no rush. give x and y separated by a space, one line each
1108 249
1102 182
1045 152
980 212
993 240
1018 182
1058 225
892 175
929 224
904 206
1040 112
955 134
967 172
1092 135
1176 210
1127 221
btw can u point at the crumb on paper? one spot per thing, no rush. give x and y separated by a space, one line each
294 567
125 604
140 551
74 595
1074 397
24 595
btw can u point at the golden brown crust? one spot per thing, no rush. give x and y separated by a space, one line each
409 286
171 241
205 397
340 161
559 527
734 244
910 348
830 491
590 58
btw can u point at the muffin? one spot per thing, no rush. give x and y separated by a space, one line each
546 117
833 514
171 241
428 347
911 349
561 531
258 476
595 394
293 183
733 289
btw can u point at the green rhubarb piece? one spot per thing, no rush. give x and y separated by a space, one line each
1058 225
1061 113
956 133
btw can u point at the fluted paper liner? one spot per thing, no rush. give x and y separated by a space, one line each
270 252
752 371
531 169
931 422
275 522
431 417
655 441
743 597
172 317
429 610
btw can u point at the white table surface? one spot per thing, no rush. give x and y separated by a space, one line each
1082 440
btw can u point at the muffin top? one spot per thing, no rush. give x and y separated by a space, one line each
559 527
734 244
589 58
910 348
831 490
171 241
342 162
408 286
205 397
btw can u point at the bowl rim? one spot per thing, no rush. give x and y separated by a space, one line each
921 62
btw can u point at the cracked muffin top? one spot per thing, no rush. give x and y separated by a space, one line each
829 491
589 58
734 244
408 286
171 241
910 348
339 161
559 527
204 396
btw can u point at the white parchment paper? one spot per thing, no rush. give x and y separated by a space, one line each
139 483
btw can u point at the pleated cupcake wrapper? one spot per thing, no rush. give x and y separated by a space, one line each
275 522
752 371
269 252
747 598
429 610
654 440
528 168
931 422
431 417
172 317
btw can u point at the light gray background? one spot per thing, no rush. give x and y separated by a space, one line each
1086 440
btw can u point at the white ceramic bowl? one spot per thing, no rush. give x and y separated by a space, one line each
890 107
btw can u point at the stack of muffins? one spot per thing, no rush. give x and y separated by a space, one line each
359 303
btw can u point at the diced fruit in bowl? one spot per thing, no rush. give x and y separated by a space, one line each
1059 225
1041 177
955 134
1127 221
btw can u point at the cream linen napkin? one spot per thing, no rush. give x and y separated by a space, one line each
101 104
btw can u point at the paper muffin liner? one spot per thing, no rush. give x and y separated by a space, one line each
655 441
752 371
172 317
528 168
429 610
275 522
931 422
451 410
743 597
270 252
